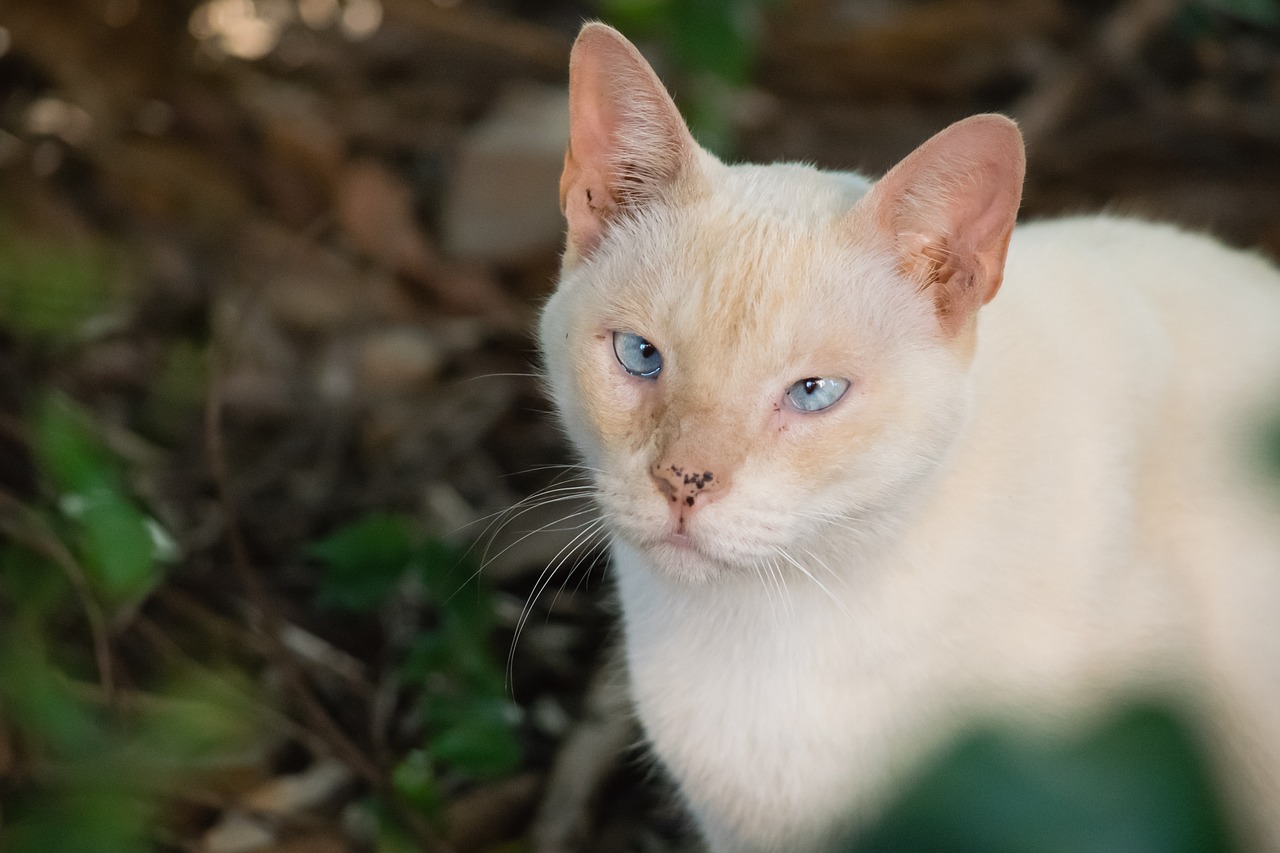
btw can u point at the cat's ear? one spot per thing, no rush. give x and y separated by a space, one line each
627 141
949 209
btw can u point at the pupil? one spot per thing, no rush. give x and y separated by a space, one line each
811 385
647 349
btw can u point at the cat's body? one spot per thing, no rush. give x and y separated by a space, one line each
1029 515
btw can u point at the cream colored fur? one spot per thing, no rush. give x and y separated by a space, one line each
1033 517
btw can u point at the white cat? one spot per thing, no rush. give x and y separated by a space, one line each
852 512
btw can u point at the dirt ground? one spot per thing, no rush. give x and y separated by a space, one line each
284 258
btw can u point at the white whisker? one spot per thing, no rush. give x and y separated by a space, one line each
757 566
543 581
793 561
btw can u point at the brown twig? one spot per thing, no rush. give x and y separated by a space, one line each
166 645
338 742
302 643
1112 48
496 34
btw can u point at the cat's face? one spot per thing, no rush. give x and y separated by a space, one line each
723 458
758 363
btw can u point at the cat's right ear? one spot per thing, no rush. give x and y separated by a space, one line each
627 141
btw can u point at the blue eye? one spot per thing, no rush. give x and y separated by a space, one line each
636 355
814 394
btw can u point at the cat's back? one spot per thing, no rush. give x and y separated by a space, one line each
1142 316
1198 288
1140 366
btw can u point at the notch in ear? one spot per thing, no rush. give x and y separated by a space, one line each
627 141
949 209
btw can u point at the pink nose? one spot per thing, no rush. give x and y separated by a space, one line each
684 486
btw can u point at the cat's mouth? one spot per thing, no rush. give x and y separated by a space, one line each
680 540
687 555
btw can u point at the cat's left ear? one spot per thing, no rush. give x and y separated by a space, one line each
949 209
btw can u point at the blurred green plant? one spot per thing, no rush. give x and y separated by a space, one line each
1136 782
88 763
120 546
446 670
95 776
711 45
50 289
1265 13
177 393
1271 446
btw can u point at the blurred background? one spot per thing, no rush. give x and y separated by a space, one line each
268 396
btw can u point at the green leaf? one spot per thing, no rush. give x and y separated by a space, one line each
68 449
33 694
414 779
99 820
177 393
636 16
429 654
51 289
1262 13
113 537
117 547
33 584
1137 783
1271 446
364 560
481 743
458 647
716 36
445 571
204 717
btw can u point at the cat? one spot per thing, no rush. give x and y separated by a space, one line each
856 502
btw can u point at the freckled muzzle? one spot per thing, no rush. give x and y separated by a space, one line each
683 485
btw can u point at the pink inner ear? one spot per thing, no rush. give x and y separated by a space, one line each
594 114
627 140
949 209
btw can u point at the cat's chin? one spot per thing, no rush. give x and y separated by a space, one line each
681 556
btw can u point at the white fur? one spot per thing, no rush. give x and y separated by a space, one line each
1072 518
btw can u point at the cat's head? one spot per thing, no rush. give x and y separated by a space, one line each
758 361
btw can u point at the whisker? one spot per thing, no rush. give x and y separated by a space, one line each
757 566
844 581
532 501
490 533
496 376
538 500
793 561
780 584
499 520
543 581
549 526
582 550
576 467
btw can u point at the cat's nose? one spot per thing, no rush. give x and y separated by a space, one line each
685 486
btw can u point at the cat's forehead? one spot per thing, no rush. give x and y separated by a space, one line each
749 228
761 271
765 245
792 193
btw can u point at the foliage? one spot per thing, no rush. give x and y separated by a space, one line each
1264 13
90 548
1137 782
1271 446
50 289
447 670
114 539
712 44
